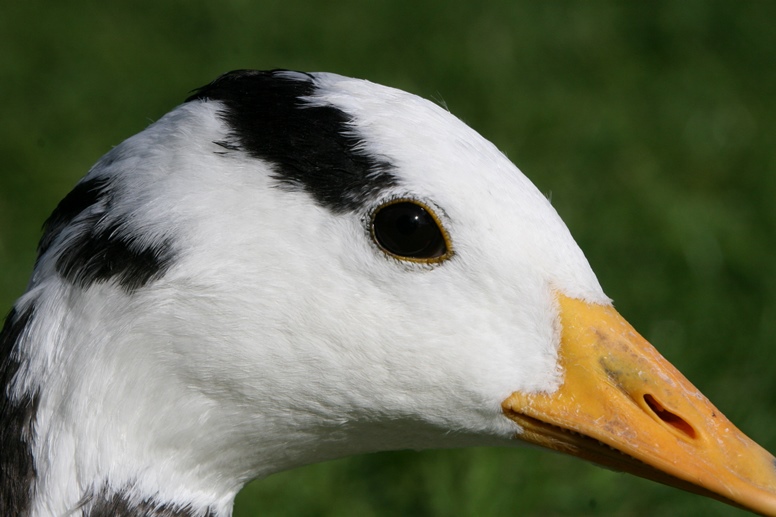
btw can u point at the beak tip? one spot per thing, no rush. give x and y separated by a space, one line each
623 406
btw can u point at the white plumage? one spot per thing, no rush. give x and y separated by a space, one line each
257 325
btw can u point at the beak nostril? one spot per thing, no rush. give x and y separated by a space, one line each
669 418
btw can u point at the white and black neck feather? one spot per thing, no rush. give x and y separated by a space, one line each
218 300
208 307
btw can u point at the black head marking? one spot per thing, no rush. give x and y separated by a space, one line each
17 419
96 251
83 196
312 147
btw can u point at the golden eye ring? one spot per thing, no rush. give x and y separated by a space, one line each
410 230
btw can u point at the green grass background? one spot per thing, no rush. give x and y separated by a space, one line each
652 125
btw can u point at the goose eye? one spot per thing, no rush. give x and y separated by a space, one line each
409 230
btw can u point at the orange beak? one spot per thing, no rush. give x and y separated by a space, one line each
619 393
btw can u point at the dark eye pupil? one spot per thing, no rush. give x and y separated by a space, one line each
408 230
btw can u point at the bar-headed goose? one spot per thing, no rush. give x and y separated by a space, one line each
291 267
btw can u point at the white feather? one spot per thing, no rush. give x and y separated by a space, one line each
282 335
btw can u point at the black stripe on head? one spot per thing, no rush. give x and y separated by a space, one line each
312 147
95 251
17 419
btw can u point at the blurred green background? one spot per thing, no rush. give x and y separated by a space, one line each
652 125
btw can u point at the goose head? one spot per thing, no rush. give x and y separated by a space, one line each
290 268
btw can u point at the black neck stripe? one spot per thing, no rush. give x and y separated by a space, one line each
17 419
108 503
